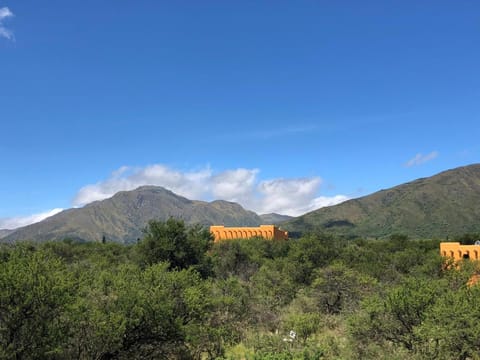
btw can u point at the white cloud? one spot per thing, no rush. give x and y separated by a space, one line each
234 185
420 159
4 32
294 196
16 222
288 196
285 196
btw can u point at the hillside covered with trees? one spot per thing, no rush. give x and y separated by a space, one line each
176 295
444 205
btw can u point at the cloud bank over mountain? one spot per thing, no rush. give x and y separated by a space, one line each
289 196
19 221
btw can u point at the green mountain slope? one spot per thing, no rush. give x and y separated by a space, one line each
5 232
274 218
447 204
122 217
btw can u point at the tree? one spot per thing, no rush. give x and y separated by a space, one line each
174 242
337 287
303 325
451 326
272 288
230 315
154 313
309 253
35 292
240 258
394 316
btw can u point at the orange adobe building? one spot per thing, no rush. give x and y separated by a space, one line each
269 232
462 252
459 252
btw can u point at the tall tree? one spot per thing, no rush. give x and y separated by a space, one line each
35 292
180 245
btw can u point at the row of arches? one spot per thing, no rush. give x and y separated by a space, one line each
242 234
462 254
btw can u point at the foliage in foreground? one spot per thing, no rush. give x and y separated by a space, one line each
176 295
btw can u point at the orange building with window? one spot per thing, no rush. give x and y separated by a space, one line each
459 252
269 232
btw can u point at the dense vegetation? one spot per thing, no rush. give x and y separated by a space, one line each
176 295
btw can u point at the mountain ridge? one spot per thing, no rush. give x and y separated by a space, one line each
5 232
122 217
444 205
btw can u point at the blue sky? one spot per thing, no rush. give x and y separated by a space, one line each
280 105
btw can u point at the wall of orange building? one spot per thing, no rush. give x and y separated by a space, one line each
269 232
458 252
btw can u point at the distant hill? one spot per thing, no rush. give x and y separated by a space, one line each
447 204
274 219
122 217
5 232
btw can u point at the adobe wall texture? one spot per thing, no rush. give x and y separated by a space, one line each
269 232
459 252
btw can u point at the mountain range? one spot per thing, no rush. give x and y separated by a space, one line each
122 217
441 206
5 232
